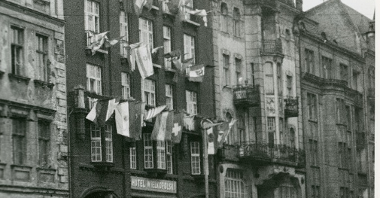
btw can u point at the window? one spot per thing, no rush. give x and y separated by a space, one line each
42 54
149 95
313 148
309 61
169 96
340 108
94 79
109 145
315 191
238 67
96 143
326 67
189 46
236 17
355 78
241 126
188 6
169 157
19 140
271 127
269 83
195 158
253 73
146 32
148 151
342 154
43 142
17 49
161 155
167 46
132 157
292 138
287 191
312 106
234 184
283 135
125 85
343 72
224 17
91 16
123 18
226 69
191 102
289 85
279 79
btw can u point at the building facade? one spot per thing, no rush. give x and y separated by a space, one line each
104 163
337 64
257 82
33 127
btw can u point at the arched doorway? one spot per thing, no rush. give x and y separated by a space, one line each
99 192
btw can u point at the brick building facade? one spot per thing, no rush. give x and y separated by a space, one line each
136 168
33 128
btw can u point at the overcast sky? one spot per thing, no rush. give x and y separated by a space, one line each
366 7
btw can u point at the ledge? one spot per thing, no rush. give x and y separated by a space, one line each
192 23
156 65
43 84
89 53
18 78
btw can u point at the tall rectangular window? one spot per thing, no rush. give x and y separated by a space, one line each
289 85
43 142
268 81
313 148
224 17
19 140
236 19
169 157
91 19
271 129
238 67
125 85
234 184
188 6
253 73
191 102
149 95
146 32
42 54
340 108
167 45
161 155
279 79
189 46
326 67
17 49
309 61
355 80
312 106
108 141
195 158
169 96
132 157
226 69
94 79
123 20
148 151
343 72
96 143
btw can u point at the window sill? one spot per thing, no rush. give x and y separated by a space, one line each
88 51
155 8
18 78
157 66
43 84
103 165
192 22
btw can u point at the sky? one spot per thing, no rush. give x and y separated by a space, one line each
366 7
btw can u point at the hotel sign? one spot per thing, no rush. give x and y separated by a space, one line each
157 185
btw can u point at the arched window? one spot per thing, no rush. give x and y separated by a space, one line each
224 17
268 82
236 18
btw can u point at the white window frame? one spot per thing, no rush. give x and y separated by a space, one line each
161 154
234 184
17 47
169 157
167 45
108 142
125 85
123 19
42 56
96 143
132 157
149 92
188 7
94 79
195 158
238 69
91 11
191 102
189 46
146 32
169 96
148 151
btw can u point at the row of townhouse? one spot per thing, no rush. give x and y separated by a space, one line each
300 85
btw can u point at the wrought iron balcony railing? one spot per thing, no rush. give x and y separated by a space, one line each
291 107
267 153
272 46
247 96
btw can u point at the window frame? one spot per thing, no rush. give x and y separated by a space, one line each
236 22
96 143
148 151
19 133
269 78
103 151
191 102
195 158
169 96
189 46
17 50
226 69
161 154
42 56
224 17
238 69
169 157
94 72
234 184
125 85
132 157
326 67
149 92
167 43
124 31
309 61
94 13
44 142
146 31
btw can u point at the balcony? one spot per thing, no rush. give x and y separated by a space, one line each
247 96
291 107
271 47
264 153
